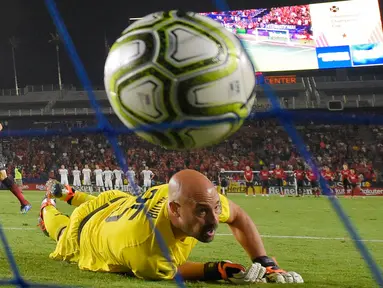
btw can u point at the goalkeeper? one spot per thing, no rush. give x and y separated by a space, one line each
111 232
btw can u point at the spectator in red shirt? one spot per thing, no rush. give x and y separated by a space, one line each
369 176
249 178
300 176
265 175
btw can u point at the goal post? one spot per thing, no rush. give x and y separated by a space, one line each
238 185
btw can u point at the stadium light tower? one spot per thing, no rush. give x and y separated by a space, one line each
14 44
106 44
55 40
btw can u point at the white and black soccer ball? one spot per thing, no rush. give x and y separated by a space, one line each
177 66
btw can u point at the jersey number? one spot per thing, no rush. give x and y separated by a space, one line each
138 206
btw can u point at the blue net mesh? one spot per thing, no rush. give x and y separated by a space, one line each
286 119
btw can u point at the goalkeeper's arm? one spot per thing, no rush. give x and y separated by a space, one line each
222 270
245 232
247 235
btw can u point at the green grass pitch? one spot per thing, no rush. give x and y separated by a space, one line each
304 235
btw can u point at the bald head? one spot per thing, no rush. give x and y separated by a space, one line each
190 184
194 205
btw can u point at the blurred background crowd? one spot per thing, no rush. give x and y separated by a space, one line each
256 144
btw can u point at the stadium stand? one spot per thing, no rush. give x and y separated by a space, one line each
257 142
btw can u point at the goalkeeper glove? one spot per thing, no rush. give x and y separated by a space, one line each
234 273
56 190
275 274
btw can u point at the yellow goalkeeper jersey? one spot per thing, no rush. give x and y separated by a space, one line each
115 235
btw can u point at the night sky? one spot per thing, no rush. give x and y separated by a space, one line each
88 21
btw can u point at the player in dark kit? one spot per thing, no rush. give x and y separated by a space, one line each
279 175
8 183
222 179
249 178
300 176
313 179
345 173
354 180
265 175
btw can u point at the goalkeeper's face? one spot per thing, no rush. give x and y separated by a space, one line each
199 219
194 204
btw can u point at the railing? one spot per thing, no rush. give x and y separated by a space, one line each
372 77
11 92
53 112
258 106
45 88
39 88
70 87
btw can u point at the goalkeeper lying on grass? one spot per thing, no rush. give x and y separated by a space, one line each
111 232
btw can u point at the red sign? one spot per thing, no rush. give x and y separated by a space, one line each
289 79
275 80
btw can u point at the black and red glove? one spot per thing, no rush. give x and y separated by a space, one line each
232 272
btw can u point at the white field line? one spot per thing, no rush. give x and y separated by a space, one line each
308 237
229 234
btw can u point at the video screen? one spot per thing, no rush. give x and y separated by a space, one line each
306 37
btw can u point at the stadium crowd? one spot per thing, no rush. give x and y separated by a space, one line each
256 144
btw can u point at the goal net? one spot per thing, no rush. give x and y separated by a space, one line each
237 184
310 135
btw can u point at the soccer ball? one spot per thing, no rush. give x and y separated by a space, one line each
175 66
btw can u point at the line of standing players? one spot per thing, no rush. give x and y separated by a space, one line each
348 177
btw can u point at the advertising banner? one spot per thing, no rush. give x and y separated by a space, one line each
240 187
290 189
275 80
371 191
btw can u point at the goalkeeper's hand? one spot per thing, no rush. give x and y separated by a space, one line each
56 190
275 274
234 273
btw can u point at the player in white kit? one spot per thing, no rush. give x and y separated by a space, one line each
64 175
76 177
108 175
131 175
148 176
86 174
118 185
99 181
